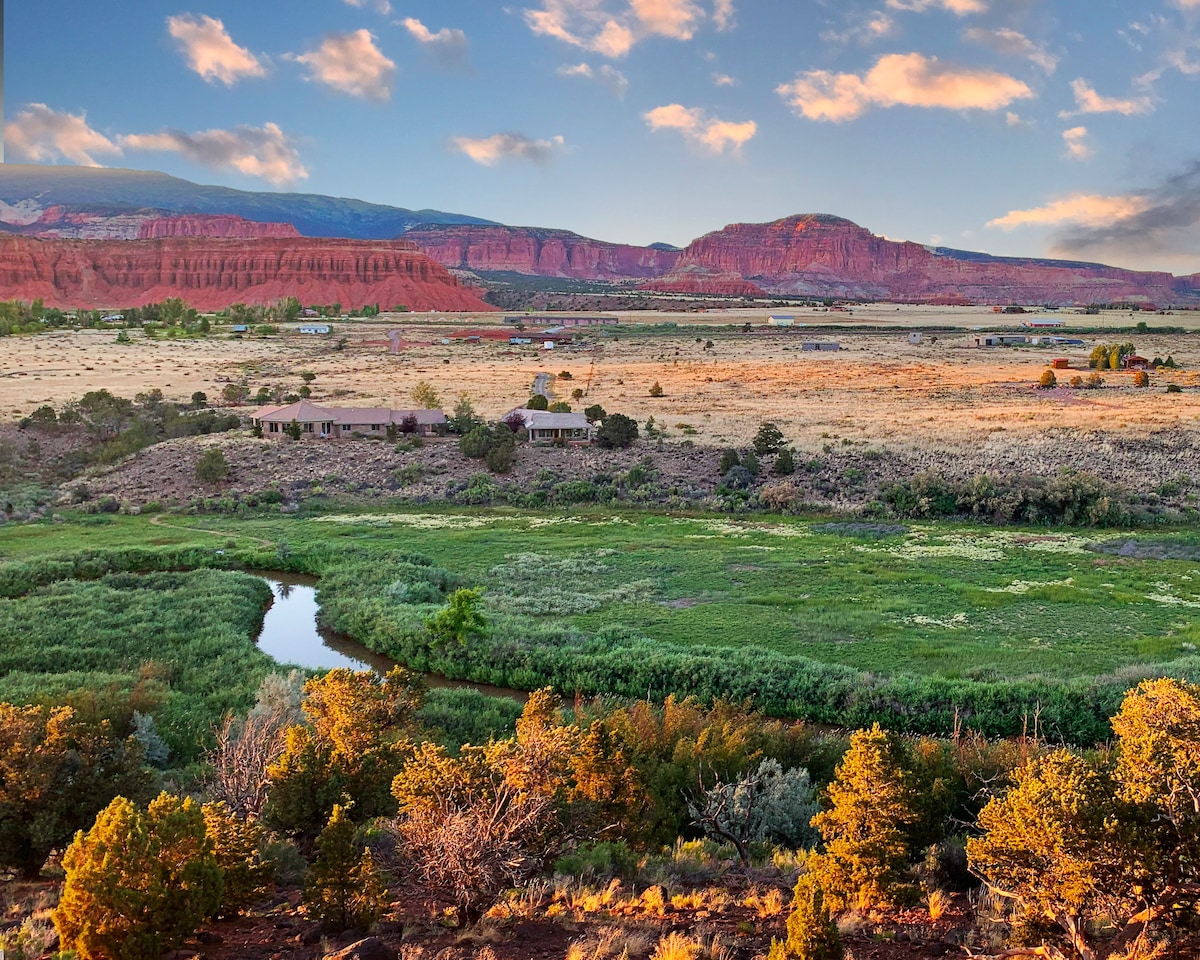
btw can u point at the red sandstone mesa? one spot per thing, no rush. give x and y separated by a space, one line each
213 273
540 253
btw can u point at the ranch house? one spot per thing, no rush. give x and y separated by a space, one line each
545 427
343 422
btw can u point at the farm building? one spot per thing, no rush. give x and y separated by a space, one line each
830 346
1134 362
316 328
1042 323
1055 342
1001 340
780 320
541 320
342 422
545 427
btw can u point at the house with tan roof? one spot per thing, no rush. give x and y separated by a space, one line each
321 422
546 427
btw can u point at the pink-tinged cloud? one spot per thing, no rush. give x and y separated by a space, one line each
1087 100
960 8
1080 209
669 18
723 15
40 135
612 29
1078 147
909 80
211 52
351 63
700 129
265 152
608 77
488 151
448 44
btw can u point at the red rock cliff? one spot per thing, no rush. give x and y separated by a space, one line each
217 225
540 253
827 256
211 274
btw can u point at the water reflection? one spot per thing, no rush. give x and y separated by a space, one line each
290 636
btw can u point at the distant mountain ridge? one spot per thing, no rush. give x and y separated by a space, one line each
27 191
813 255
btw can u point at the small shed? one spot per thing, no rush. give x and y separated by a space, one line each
915 339
1060 363
316 328
240 328
780 320
1134 362
823 346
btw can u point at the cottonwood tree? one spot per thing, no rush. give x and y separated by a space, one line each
1096 857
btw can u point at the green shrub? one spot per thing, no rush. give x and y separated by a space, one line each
138 883
212 467
344 889
811 932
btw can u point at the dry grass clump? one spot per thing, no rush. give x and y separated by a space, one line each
611 943
682 946
765 904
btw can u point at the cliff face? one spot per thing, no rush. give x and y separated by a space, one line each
211 274
540 253
228 226
827 256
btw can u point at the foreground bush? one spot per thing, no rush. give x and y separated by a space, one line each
811 933
344 889
1103 857
138 883
56 774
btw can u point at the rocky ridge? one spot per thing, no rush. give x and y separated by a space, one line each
214 273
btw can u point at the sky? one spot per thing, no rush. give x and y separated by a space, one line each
1057 128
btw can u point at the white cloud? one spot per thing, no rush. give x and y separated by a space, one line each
608 77
211 52
1078 147
351 63
265 151
38 135
488 151
910 80
1081 209
699 128
723 14
723 80
1087 100
960 8
1012 43
383 6
863 29
1014 119
592 24
448 45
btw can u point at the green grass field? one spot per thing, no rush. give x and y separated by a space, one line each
938 600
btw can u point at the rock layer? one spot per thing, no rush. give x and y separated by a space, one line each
228 226
211 274
540 253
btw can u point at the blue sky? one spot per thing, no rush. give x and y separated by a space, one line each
1021 127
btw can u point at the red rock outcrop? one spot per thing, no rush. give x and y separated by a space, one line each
827 256
228 226
211 274
540 253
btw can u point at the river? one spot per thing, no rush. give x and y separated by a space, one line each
291 636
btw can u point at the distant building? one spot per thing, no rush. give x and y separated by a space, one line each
1134 362
1043 323
316 328
780 320
240 328
915 339
823 346
1001 340
543 320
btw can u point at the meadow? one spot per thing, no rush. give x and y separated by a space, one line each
836 622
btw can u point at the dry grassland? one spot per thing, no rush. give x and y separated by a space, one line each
878 388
